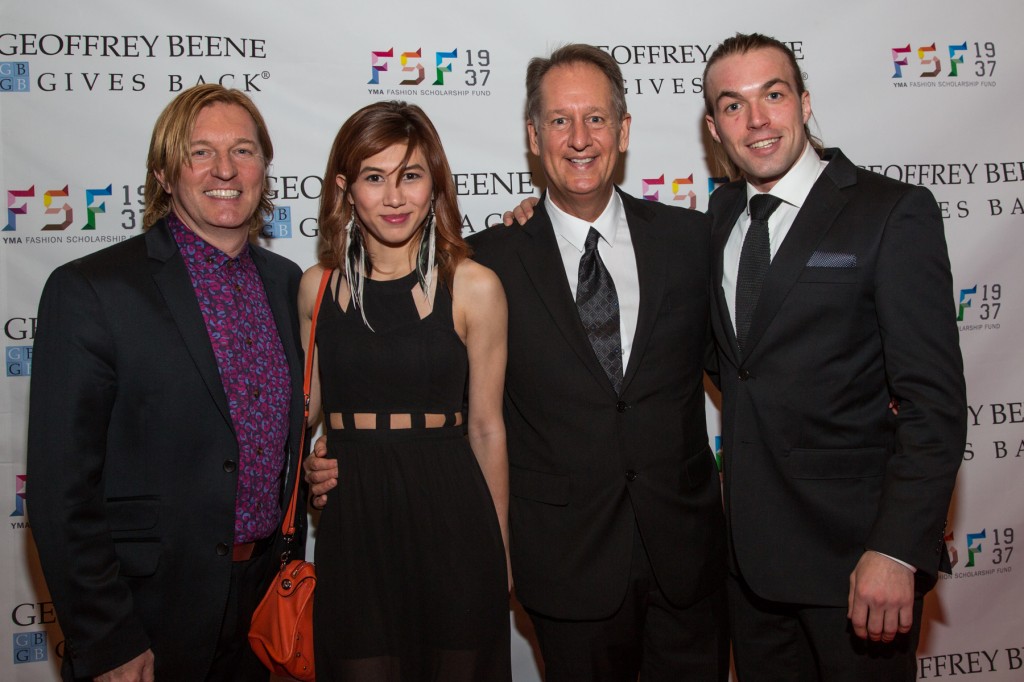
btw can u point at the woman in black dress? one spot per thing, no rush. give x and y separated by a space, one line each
412 546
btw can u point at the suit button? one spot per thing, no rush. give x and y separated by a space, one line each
621 406
631 475
743 375
230 466
223 549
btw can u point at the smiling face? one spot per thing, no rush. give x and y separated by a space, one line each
578 138
758 115
391 197
217 193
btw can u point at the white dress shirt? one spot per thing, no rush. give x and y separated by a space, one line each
793 189
616 250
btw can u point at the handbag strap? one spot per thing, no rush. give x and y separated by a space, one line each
288 525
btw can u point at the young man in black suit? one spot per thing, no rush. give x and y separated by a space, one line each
844 407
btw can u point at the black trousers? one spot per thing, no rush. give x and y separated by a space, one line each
775 641
234 660
647 636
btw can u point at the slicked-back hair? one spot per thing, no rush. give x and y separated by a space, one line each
742 43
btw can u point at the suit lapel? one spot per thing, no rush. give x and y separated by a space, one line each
733 201
815 218
651 266
542 261
175 285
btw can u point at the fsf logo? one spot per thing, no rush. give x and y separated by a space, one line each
977 59
412 65
974 546
20 492
998 545
681 189
988 296
55 203
14 77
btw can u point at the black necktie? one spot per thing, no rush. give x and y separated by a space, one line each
754 260
599 310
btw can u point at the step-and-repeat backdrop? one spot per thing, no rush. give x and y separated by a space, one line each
925 93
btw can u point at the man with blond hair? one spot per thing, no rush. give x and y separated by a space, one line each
166 411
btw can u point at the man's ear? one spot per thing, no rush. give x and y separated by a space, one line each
710 121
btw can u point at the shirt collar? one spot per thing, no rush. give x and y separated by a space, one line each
575 231
198 253
796 184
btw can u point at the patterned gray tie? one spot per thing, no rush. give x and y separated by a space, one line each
754 260
598 305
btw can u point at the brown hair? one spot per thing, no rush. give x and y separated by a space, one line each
170 146
574 53
366 133
742 43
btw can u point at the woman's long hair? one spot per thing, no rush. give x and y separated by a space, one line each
368 132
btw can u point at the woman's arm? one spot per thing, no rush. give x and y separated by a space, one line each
481 319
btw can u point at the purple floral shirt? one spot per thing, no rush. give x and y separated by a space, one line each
253 369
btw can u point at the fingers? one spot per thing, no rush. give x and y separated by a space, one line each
507 219
881 598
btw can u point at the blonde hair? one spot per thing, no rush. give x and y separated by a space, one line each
170 145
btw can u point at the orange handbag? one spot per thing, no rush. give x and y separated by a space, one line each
281 632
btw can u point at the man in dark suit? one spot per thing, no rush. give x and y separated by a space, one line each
616 524
166 409
844 408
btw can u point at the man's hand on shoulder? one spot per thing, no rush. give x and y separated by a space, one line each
521 213
139 669
881 600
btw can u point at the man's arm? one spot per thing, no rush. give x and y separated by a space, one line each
74 385
924 368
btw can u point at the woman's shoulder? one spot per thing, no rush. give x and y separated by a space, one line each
476 282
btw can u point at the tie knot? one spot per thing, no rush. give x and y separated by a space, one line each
763 205
592 238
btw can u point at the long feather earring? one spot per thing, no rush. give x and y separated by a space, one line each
427 253
354 258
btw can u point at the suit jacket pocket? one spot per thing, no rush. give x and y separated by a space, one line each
540 486
133 515
134 528
830 275
837 463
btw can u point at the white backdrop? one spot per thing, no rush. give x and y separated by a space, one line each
82 83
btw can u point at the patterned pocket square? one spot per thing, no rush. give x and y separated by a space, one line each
832 259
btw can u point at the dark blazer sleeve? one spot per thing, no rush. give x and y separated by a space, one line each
72 395
924 369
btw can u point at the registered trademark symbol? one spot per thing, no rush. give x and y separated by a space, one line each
265 74
803 74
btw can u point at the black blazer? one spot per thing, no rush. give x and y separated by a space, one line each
585 462
133 455
857 307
